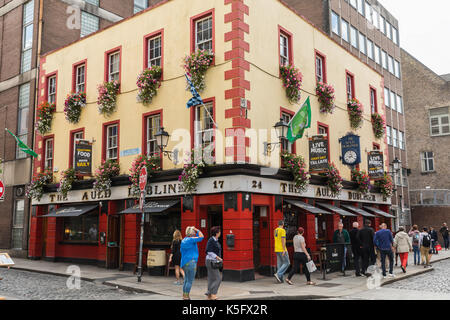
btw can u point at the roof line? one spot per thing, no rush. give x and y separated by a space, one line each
421 63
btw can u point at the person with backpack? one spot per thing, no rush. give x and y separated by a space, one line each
415 234
445 235
425 244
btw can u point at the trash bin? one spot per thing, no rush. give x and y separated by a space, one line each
156 262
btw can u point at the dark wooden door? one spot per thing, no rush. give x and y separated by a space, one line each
256 237
44 237
113 243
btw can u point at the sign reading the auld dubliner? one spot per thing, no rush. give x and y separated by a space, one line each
83 157
318 154
375 162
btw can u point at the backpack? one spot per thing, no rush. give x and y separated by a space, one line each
426 241
416 238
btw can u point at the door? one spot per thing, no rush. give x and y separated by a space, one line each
215 219
256 237
44 237
113 243
262 239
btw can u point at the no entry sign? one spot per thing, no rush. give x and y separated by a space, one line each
2 189
143 178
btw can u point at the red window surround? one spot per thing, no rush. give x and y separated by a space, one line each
44 151
324 127
205 101
318 54
292 114
144 129
200 16
107 54
350 75
147 37
376 146
289 36
104 137
375 106
71 144
74 74
48 76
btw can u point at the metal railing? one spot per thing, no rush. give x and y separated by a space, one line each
430 197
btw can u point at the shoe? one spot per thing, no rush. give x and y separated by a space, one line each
384 277
403 269
289 282
177 283
311 283
278 278
391 275
357 275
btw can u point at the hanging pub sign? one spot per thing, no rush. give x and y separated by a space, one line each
83 157
375 162
351 150
318 154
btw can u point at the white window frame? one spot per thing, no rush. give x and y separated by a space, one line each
395 138
204 42
154 59
373 101
77 136
391 64
397 68
80 78
399 104
114 66
362 43
112 142
320 76
284 50
350 93
387 97
361 7
377 54
354 37
388 135
443 120
427 161
401 140
384 59
51 93
153 125
49 149
286 145
383 24
140 5
203 126
18 225
393 100
370 49
334 16
345 30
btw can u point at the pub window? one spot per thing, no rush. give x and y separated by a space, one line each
204 34
439 121
284 49
112 142
48 160
286 145
204 126
159 228
51 93
81 229
80 78
18 221
77 136
427 159
153 126
154 51
114 66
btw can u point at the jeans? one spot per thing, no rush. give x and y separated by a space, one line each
190 269
368 258
433 246
344 259
300 259
416 250
357 255
283 264
446 242
390 255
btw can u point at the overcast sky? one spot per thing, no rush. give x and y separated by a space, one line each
424 30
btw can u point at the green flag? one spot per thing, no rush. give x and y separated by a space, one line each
23 147
300 122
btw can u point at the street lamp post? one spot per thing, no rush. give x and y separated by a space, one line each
396 165
162 139
281 128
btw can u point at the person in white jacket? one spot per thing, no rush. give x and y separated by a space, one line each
402 245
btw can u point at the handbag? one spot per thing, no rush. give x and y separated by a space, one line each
438 247
216 264
311 266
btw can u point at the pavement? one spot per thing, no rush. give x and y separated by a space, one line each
335 286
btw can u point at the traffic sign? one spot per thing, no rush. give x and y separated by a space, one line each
142 201
143 178
2 189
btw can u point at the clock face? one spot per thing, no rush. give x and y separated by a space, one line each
350 157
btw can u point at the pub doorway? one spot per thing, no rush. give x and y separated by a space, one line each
215 219
113 244
261 241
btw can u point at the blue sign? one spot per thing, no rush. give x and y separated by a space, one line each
351 150
130 152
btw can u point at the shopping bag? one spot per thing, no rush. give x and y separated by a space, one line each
438 247
311 266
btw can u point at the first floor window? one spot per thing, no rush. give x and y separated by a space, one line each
159 229
83 228
204 34
284 50
114 67
154 51
427 159
153 126
51 87
77 136
286 146
320 68
80 78
373 101
439 121
204 126
112 142
18 220
48 160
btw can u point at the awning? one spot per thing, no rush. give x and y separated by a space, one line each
74 211
359 211
379 212
307 207
340 211
153 207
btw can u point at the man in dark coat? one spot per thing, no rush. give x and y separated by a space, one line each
356 248
365 237
434 239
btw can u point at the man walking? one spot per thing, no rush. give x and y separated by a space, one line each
434 240
341 236
383 241
281 251
444 233
365 237
356 248
425 244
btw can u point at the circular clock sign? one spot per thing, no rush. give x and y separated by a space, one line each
350 157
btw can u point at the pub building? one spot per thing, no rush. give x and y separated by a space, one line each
104 228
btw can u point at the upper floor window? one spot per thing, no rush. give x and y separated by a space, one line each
22 121
393 101
397 69
387 97
114 66
285 49
140 5
399 104
373 101
76 136
112 142
80 78
48 154
369 12
204 33
350 86
89 23
286 145
391 64
51 87
153 126
362 43
354 37
377 54
401 140
388 135
395 35
27 36
335 23
384 59
439 121
354 4
344 27
93 2
370 49
389 30
361 6
376 21
383 24
320 68
204 126
394 137
154 54
427 160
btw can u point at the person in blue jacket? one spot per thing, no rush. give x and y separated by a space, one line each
189 258
383 240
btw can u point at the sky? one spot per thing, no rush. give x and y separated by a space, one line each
424 30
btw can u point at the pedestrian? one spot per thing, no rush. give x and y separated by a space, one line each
341 236
365 237
434 240
189 258
301 257
415 234
175 256
444 232
425 244
356 248
402 245
283 262
213 258
383 241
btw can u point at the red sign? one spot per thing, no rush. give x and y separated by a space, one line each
143 178
2 189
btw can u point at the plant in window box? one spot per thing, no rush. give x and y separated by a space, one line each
355 111
192 171
362 179
65 185
35 190
334 180
45 116
325 93
149 81
386 185
297 166
153 165
73 106
196 65
107 170
107 97
378 125
292 82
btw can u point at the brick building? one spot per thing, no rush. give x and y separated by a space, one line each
29 29
367 30
427 110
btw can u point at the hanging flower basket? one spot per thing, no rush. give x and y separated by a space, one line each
44 117
192 172
292 82
153 165
325 93
107 170
73 105
362 179
386 185
297 166
67 179
196 65
35 190
107 97
334 181
149 81
378 125
355 112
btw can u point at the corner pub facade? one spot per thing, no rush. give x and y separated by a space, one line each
235 193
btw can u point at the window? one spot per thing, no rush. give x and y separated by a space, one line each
80 78
154 54
427 159
284 50
48 154
335 23
401 140
89 23
51 90
18 220
204 126
362 43
377 54
320 68
373 101
393 101
76 136
204 34
387 97
376 21
350 86
112 142
93 2
323 129
114 66
439 121
344 26
395 35
354 4
388 135
383 25
354 37
389 30
140 5
391 64
22 121
369 12
27 36
361 6
370 49
286 146
394 138
384 59
397 68
158 229
153 125
399 104
81 229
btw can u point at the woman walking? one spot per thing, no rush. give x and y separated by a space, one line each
189 258
402 245
415 234
301 256
175 255
213 258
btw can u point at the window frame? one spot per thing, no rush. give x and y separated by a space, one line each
87 14
282 32
108 54
291 114
361 41
370 53
350 75
193 29
45 152
424 161
105 127
389 135
354 32
147 38
72 144
333 15
320 56
374 102
347 24
75 68
193 122
326 128
439 125
145 128
48 77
